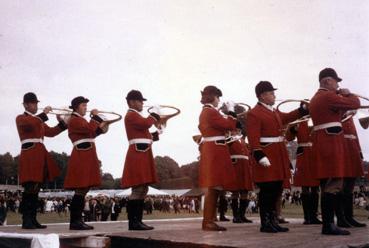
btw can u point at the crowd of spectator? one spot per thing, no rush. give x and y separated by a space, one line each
104 208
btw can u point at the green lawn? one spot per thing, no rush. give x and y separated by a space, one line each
291 211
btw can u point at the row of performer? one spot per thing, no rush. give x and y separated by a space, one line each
238 152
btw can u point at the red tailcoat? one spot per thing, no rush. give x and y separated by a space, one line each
215 169
354 161
83 166
35 163
262 122
329 144
139 166
241 167
303 175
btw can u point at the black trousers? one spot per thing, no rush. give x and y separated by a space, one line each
349 185
308 189
268 196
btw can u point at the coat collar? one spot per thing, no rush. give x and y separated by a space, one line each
208 105
324 89
77 114
268 107
131 109
135 111
29 113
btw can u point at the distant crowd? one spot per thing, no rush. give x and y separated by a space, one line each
361 198
104 208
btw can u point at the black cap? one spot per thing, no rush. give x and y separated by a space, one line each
30 97
77 101
135 95
211 90
329 72
263 86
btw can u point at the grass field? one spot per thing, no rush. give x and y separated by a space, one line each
291 211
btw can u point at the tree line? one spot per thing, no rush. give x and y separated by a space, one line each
171 175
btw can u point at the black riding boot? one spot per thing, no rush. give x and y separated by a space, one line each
243 206
328 202
235 211
223 205
314 201
133 211
76 208
140 215
27 211
265 209
306 207
275 223
349 212
339 211
34 211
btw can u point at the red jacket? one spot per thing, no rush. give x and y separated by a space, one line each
262 122
215 168
328 144
242 167
139 166
353 155
34 161
303 175
83 166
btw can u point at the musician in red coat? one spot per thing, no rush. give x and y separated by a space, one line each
271 161
35 163
240 160
139 167
303 177
353 170
83 166
215 169
326 110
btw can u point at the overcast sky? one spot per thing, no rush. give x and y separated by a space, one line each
170 50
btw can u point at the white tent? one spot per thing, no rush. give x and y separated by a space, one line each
102 192
176 192
152 191
105 192
59 194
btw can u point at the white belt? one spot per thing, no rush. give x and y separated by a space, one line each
306 144
213 138
75 143
350 136
36 140
239 157
272 139
140 141
327 125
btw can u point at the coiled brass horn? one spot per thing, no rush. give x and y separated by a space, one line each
240 108
364 98
364 122
302 119
305 118
67 112
164 118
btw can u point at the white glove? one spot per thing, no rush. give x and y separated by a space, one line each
230 106
160 130
47 109
265 162
102 116
155 109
